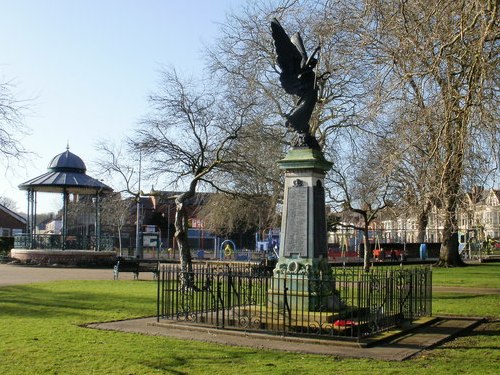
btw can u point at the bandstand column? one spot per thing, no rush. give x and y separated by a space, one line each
64 230
31 219
98 221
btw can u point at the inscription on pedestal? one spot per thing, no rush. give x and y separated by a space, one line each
296 221
320 248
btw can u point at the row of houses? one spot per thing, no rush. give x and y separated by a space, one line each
478 216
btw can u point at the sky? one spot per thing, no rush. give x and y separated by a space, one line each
86 67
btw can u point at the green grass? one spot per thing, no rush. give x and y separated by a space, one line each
41 333
466 304
473 276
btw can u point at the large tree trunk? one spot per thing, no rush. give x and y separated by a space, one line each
367 256
449 255
423 221
181 236
119 238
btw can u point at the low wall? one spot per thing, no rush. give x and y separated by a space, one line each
64 257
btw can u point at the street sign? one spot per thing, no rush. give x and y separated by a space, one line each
150 239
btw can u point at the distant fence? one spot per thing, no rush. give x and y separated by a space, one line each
348 303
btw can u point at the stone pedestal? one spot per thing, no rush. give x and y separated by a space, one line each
303 243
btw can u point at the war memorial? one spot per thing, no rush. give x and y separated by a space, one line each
302 295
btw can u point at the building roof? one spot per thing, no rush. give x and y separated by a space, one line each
479 195
66 172
13 217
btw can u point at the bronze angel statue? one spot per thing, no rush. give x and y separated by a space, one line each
298 78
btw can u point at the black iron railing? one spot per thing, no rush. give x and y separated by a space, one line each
347 303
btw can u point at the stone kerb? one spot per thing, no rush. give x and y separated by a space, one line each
64 257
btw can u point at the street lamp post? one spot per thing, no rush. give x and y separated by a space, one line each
168 225
138 247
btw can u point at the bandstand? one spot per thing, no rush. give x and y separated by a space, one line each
66 175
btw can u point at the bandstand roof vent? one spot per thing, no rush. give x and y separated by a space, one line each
67 162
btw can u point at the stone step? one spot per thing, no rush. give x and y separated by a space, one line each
424 335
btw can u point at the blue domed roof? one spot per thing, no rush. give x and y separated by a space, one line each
66 173
67 162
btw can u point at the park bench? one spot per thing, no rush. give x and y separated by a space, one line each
135 266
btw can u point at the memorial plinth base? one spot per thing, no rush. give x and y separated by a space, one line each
305 283
300 287
301 295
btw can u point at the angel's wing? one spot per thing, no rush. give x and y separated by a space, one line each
290 53
297 41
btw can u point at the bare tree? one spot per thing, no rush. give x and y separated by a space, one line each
116 161
253 184
407 149
443 56
363 185
117 213
12 127
245 60
119 161
226 214
9 203
186 140
428 68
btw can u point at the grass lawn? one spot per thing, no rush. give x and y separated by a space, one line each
486 275
467 303
40 333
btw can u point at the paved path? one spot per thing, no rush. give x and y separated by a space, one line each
398 349
463 289
14 274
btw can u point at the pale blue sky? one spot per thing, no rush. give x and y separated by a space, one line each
89 65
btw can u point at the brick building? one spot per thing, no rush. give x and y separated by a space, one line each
10 222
